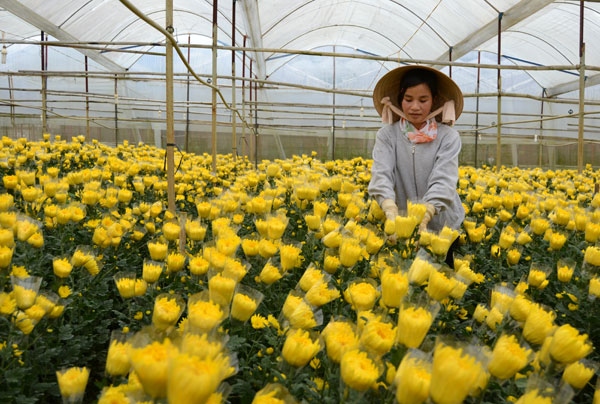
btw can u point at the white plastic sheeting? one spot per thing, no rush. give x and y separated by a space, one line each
419 30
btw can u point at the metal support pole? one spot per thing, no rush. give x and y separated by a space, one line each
244 98
477 106
499 117
187 109
539 138
214 91
12 106
169 97
250 85
87 103
256 123
116 113
450 60
233 118
44 82
581 109
581 88
333 124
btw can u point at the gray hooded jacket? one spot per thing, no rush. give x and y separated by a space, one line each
425 172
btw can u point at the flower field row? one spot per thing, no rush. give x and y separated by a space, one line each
283 282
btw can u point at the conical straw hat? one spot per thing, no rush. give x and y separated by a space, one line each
389 86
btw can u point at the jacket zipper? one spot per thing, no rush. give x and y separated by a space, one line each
414 170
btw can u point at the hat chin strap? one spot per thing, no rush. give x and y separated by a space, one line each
447 110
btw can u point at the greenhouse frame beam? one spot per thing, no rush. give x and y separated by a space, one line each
355 107
564 88
302 116
317 53
44 58
253 28
199 109
233 84
244 97
116 102
477 106
12 107
170 153
29 16
499 98
540 151
551 118
187 115
513 16
87 102
215 33
580 139
463 133
356 93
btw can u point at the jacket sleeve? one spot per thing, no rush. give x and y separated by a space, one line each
381 186
441 185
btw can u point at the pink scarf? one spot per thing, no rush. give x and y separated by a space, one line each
424 135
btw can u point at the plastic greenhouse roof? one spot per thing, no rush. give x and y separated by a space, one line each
541 31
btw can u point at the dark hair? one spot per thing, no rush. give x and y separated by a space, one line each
414 78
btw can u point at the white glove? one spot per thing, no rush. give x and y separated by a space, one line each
429 213
390 209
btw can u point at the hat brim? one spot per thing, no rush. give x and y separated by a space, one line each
389 86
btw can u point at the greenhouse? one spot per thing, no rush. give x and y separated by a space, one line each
299 202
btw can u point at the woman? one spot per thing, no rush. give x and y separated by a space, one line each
416 155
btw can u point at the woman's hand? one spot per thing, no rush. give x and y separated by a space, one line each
391 211
429 213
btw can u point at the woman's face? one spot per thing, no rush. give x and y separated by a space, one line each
416 104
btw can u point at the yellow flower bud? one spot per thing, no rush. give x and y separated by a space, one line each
151 367
578 375
538 325
455 374
221 289
358 370
508 357
419 271
413 325
361 295
565 273
568 345
412 380
62 267
117 359
440 285
243 307
204 315
269 274
166 312
158 251
299 348
394 286
339 337
72 382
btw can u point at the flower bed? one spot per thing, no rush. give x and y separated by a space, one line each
282 282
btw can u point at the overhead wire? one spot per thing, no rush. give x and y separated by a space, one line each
47 110
423 22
